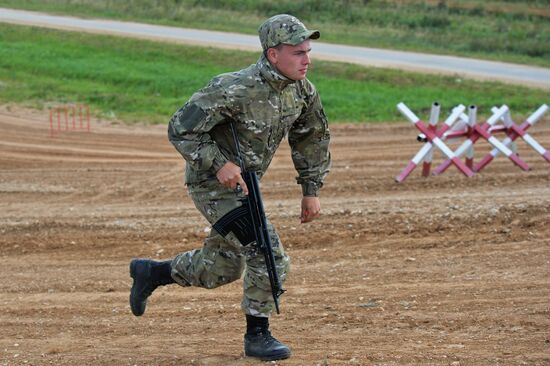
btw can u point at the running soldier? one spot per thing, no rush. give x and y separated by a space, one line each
265 102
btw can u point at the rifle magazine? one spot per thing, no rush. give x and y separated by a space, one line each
238 222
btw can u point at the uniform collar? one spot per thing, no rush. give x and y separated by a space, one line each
273 77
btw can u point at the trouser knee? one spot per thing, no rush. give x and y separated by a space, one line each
219 262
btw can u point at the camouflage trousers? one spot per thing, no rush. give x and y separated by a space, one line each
223 260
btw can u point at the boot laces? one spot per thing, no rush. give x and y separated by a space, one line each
267 337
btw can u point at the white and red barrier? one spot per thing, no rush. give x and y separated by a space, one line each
434 117
434 139
69 117
459 125
483 132
513 132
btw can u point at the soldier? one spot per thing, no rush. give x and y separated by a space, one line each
265 102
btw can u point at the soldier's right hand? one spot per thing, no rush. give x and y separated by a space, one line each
229 176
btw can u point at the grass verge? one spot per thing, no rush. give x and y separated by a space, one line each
504 30
135 80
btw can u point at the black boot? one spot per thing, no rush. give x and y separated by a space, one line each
259 343
147 275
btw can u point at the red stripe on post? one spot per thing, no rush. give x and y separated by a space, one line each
483 162
426 169
405 173
523 165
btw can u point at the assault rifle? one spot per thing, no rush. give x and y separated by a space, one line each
248 223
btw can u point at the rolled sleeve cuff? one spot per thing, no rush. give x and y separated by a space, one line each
310 189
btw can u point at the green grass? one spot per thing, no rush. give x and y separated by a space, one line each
135 80
506 30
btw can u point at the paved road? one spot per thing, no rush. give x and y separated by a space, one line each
469 68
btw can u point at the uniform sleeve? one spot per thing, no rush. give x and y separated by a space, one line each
309 140
189 127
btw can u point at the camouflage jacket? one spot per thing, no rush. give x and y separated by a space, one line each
264 107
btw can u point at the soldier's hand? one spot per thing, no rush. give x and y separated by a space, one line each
311 207
229 176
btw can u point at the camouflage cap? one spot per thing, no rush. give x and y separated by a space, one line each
286 29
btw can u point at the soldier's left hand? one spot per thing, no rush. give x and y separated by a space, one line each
311 207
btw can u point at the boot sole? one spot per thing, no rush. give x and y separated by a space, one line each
133 269
274 357
136 312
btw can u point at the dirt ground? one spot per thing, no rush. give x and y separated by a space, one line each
433 271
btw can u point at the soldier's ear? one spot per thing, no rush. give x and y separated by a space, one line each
272 55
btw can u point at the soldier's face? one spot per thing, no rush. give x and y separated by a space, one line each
291 61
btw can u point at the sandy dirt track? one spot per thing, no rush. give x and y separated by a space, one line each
439 271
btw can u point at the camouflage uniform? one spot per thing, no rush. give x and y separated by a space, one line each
264 106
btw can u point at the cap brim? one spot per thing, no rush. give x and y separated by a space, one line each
299 38
315 34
